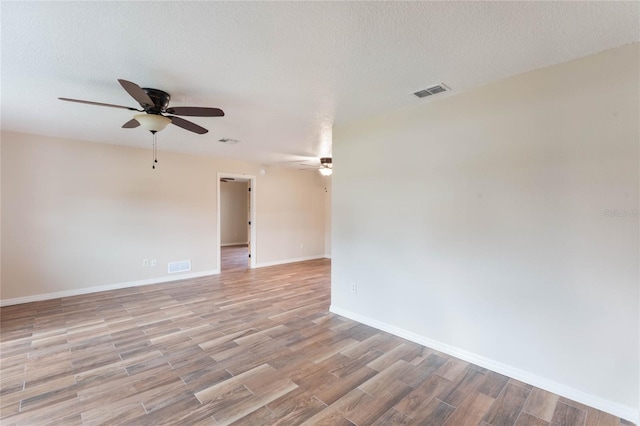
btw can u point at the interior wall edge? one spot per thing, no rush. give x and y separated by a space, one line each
611 407
101 288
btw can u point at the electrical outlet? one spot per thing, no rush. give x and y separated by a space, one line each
154 262
354 288
145 263
301 245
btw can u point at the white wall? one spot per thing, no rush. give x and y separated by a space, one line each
233 213
77 215
478 224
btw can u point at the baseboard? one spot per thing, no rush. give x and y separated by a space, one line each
293 260
96 289
619 410
240 243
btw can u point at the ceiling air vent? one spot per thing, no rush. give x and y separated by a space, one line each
433 90
228 141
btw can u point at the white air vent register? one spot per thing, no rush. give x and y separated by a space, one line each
182 266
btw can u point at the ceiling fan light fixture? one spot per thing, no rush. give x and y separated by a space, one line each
326 171
326 166
152 122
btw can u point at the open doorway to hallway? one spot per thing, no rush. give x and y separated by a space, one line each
236 222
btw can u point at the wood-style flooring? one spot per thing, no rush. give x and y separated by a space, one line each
234 259
250 347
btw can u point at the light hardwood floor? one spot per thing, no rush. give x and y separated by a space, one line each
254 347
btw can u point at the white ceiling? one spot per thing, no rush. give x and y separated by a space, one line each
283 72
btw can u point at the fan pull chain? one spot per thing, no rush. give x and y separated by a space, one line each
155 151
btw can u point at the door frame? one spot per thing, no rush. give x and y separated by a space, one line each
252 207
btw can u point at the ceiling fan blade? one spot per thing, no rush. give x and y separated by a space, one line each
131 124
98 103
188 125
137 93
196 111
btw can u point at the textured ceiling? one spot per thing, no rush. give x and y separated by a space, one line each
283 72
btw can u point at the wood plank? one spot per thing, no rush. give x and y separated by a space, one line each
431 389
343 386
433 413
371 409
260 417
378 383
115 413
466 384
229 413
526 419
471 411
493 384
391 418
296 407
508 405
606 419
336 412
404 351
567 415
234 383
541 404
453 369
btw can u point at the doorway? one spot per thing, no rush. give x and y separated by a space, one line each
236 222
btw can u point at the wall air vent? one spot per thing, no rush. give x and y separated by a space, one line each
183 266
433 90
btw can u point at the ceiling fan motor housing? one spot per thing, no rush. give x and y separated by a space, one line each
160 99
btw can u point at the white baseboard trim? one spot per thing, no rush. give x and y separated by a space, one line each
240 243
282 262
96 289
619 410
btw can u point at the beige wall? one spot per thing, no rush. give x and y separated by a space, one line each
294 227
77 215
481 224
0 217
233 213
327 217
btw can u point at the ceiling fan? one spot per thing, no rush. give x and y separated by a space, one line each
154 104
325 168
